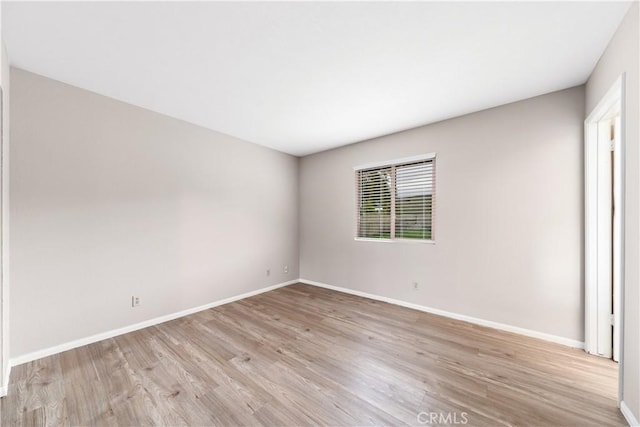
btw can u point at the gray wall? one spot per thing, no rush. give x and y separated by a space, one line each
109 200
508 218
4 232
621 56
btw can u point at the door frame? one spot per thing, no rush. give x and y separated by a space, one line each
614 94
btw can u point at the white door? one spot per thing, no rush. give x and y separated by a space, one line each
617 236
604 225
604 236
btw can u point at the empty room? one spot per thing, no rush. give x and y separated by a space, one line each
319 213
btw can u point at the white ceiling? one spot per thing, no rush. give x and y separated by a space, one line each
309 76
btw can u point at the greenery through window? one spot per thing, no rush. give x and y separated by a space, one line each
397 201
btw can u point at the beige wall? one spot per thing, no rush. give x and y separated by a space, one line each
508 221
109 200
621 56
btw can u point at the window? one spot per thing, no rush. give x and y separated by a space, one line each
396 200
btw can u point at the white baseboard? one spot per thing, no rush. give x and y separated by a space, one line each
628 415
19 360
488 323
4 389
115 332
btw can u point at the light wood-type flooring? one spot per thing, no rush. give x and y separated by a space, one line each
302 355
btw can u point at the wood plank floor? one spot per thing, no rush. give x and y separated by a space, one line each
301 356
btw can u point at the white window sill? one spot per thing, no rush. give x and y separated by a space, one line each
410 241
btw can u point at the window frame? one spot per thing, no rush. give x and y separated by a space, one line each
393 164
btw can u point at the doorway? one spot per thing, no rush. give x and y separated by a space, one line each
604 225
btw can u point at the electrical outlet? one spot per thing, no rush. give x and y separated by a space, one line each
268 272
135 301
285 269
415 285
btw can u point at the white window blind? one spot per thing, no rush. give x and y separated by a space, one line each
396 201
374 203
415 190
